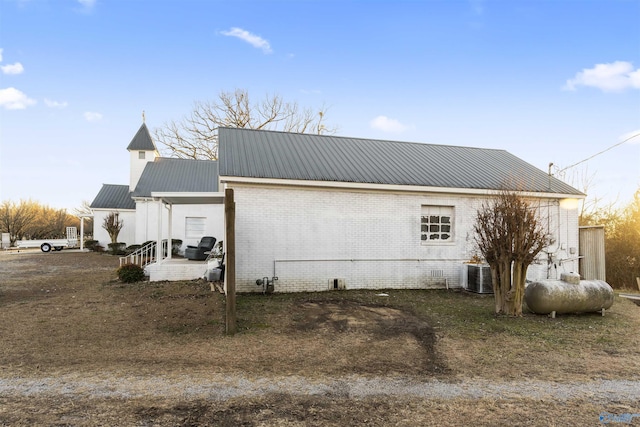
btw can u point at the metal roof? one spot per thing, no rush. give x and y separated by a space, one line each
142 140
112 196
178 175
294 156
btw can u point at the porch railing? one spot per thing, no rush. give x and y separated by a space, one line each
144 255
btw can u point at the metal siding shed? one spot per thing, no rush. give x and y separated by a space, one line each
591 251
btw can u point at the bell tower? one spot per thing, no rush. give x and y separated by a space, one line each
142 150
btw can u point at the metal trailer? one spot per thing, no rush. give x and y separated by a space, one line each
46 245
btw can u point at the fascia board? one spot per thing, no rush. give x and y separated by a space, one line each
386 187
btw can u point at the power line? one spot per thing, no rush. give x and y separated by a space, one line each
601 152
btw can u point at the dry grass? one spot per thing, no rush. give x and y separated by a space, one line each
287 411
65 313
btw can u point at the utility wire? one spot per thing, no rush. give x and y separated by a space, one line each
601 152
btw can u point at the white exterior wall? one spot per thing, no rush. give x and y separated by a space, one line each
136 166
307 237
147 221
560 218
126 235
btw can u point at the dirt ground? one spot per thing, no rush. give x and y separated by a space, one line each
79 348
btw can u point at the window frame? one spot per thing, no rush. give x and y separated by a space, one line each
436 226
195 227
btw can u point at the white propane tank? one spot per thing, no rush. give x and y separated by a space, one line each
568 295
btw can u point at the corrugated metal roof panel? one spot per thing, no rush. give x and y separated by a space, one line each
281 155
142 140
177 175
112 196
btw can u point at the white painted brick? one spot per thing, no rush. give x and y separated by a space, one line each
371 239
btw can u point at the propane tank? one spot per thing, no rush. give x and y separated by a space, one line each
568 295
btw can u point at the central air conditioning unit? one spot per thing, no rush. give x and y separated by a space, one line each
337 284
479 279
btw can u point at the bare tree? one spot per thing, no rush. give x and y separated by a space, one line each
509 235
31 220
113 225
196 136
16 219
622 245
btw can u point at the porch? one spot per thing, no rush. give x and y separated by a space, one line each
179 269
168 267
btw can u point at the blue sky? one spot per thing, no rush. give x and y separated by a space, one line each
549 81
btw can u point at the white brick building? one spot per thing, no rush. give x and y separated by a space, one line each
321 211
145 216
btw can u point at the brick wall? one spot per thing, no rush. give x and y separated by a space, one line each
308 237
127 233
146 221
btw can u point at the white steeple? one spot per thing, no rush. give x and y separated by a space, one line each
142 151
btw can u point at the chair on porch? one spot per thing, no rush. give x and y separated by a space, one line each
200 252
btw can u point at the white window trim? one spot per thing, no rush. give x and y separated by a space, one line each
194 227
424 209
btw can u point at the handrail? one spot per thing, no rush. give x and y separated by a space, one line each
144 255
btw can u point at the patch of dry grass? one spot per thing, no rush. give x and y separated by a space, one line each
65 312
285 410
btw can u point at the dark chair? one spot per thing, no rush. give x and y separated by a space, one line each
200 252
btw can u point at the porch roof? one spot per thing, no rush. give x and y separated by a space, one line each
189 198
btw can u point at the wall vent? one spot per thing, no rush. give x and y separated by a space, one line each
337 284
437 273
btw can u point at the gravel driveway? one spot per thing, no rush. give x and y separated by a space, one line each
226 387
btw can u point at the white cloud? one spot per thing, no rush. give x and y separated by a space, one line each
92 117
13 99
55 104
252 39
16 68
614 77
386 124
1 54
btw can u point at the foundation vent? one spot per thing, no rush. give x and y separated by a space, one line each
437 279
337 284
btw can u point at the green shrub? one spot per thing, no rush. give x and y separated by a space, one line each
90 244
117 248
130 273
